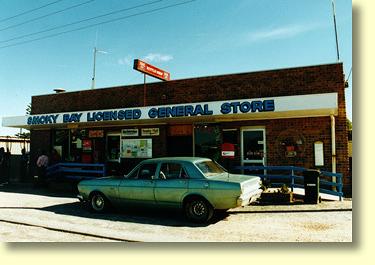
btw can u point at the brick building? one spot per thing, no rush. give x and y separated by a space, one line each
292 116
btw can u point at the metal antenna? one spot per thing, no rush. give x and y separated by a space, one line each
94 70
94 67
334 22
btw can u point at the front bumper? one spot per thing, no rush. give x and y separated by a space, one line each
80 198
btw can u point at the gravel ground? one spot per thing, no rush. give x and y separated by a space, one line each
22 233
326 222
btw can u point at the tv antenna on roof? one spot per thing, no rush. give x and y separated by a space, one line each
334 24
94 67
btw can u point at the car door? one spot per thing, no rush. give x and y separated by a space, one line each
138 187
171 185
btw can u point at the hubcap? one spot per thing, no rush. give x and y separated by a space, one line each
199 208
98 202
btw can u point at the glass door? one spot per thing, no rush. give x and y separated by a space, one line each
253 147
113 147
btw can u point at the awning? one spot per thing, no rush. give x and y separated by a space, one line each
312 105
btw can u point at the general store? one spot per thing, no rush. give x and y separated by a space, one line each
294 116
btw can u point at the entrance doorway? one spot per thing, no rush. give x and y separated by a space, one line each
180 146
180 140
253 147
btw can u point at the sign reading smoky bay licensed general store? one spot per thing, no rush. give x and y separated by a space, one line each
189 110
318 104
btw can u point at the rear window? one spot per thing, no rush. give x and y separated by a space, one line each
210 168
172 171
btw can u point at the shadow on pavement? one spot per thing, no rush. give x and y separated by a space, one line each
29 188
146 215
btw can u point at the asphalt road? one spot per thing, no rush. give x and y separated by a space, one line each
44 217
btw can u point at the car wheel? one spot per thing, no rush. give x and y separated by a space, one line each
198 210
98 202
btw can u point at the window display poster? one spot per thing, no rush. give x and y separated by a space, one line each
87 145
136 148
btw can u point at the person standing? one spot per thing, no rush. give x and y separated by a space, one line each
24 165
41 165
2 165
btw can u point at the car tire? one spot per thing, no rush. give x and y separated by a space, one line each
98 203
198 210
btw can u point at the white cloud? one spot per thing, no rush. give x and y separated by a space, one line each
281 32
157 57
125 61
151 57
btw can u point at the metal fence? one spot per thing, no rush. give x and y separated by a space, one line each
276 176
75 171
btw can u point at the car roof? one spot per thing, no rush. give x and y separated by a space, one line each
177 158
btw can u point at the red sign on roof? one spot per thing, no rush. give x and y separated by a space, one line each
151 70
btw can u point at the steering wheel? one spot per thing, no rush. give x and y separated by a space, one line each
162 175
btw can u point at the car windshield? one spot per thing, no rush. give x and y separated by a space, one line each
210 168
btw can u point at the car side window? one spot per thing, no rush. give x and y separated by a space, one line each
172 171
145 171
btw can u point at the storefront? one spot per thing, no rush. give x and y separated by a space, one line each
290 116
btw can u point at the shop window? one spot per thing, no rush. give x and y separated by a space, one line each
61 143
230 136
207 140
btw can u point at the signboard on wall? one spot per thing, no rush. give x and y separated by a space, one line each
150 132
136 148
151 70
129 132
96 133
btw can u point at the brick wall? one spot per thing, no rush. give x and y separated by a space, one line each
294 81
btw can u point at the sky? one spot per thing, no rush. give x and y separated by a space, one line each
48 44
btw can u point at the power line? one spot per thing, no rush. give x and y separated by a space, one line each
47 15
350 72
80 21
29 11
97 24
